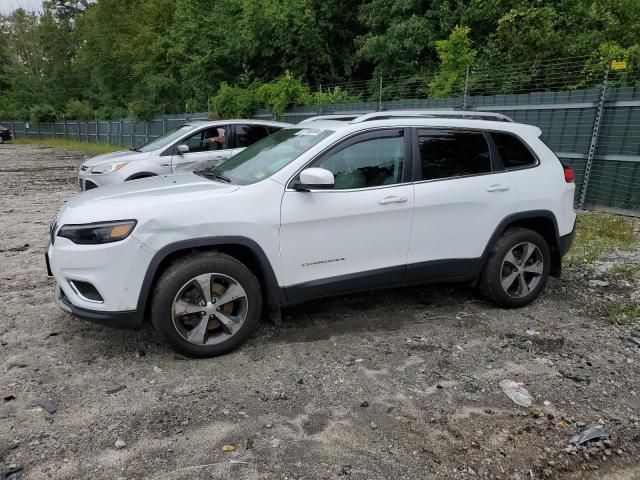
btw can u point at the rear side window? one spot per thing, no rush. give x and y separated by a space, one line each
513 152
453 153
247 135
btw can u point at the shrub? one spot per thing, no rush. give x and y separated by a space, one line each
285 92
42 113
233 101
79 110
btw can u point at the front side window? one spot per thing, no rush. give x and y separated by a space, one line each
165 139
452 153
513 152
207 140
247 135
372 162
268 156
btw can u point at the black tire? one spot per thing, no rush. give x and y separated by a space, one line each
182 271
492 274
1 140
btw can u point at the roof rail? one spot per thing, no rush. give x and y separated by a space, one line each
465 114
345 117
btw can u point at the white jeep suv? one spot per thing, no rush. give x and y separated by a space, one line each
322 208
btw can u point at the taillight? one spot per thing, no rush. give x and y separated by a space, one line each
568 174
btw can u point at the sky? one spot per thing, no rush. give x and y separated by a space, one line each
8 6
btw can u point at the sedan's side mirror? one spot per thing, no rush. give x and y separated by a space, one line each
315 178
182 148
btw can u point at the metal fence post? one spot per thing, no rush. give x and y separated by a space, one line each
13 128
64 120
380 95
594 138
466 89
133 145
146 131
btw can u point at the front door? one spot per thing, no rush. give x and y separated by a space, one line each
207 147
355 235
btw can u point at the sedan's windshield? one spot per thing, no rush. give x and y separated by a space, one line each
165 139
263 159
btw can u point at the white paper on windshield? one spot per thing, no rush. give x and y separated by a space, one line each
309 131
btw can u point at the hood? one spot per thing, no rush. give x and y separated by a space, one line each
146 197
123 156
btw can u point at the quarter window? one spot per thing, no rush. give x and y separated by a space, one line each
453 153
247 135
513 152
370 163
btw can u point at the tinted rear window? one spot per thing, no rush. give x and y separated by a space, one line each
513 152
453 153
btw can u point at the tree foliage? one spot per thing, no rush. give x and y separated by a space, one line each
143 57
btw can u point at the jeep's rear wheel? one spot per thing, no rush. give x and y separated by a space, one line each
206 304
517 269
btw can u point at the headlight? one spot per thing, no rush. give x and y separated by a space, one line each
96 233
108 167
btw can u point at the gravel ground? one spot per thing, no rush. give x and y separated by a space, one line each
386 385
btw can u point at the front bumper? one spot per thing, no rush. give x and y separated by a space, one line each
116 271
87 180
128 320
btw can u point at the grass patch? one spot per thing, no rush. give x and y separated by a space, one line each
624 313
88 148
625 272
598 233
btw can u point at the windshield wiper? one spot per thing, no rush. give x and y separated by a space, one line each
221 177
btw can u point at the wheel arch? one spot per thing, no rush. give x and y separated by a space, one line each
541 221
243 249
139 175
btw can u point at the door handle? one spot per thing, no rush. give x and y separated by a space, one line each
392 199
497 188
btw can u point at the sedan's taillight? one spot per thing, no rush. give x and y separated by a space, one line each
568 174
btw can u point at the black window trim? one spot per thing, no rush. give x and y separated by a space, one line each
355 137
521 140
494 161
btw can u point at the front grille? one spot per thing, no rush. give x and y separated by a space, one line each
88 185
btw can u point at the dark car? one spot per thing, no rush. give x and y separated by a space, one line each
5 134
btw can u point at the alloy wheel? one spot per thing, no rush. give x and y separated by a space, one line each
209 309
522 269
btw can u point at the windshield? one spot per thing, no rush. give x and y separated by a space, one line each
263 159
165 139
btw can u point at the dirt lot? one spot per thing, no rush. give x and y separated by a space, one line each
386 385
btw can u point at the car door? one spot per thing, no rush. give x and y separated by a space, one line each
245 135
207 147
462 194
355 235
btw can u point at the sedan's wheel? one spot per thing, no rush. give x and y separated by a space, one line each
1 140
517 268
206 304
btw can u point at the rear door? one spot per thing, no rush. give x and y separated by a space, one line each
462 195
245 135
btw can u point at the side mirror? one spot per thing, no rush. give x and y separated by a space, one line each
315 178
182 148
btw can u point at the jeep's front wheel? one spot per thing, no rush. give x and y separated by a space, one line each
517 269
206 304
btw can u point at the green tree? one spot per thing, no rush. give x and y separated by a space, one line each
456 55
